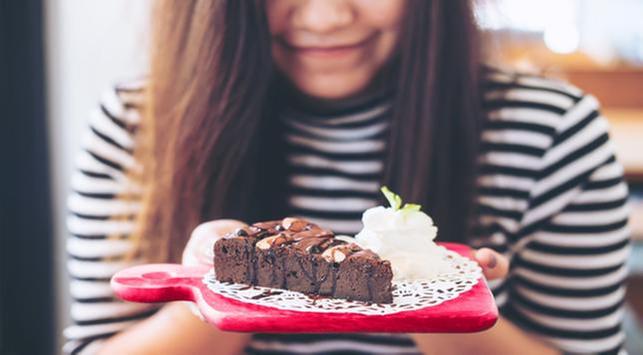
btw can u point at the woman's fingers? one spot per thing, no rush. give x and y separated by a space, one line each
494 265
198 250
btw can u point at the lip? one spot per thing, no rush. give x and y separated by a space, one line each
325 51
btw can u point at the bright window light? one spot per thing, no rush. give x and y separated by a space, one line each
525 15
562 38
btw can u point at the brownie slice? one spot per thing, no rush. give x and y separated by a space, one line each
297 255
236 256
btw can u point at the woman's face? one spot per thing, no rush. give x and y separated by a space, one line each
333 48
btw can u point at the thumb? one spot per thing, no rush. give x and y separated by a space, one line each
494 265
198 250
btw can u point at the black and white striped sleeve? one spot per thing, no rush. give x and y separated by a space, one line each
566 283
100 223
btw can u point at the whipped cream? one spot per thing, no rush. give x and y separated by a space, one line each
405 238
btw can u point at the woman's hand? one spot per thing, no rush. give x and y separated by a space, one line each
503 338
494 265
198 250
175 329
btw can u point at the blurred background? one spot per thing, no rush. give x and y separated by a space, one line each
58 56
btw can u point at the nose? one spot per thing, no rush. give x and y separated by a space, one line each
323 16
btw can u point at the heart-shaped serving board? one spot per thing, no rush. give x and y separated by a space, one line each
472 311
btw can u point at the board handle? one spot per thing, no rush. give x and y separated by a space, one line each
153 283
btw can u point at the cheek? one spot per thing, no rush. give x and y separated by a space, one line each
385 46
385 15
277 13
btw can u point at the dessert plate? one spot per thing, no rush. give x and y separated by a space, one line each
455 304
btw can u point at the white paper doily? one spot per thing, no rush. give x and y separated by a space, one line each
407 296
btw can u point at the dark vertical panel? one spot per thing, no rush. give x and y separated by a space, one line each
26 253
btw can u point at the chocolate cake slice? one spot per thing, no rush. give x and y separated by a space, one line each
297 255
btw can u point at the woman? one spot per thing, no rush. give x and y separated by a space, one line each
260 109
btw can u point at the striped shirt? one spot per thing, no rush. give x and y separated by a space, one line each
551 197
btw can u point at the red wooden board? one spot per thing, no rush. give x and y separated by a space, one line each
472 311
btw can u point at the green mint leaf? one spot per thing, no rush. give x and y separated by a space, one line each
396 201
393 199
410 207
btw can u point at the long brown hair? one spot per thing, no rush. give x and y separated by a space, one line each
210 147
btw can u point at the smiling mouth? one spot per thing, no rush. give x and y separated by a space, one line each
324 50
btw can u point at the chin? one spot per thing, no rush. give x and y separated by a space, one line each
332 87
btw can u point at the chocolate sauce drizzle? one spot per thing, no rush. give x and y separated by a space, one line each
265 294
